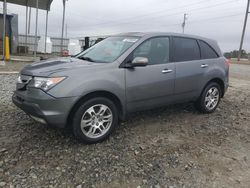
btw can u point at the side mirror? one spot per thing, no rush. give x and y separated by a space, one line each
140 62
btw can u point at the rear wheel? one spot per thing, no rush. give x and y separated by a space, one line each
95 120
210 98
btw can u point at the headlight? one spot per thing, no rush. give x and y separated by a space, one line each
45 83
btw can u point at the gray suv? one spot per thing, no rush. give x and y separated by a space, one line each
122 74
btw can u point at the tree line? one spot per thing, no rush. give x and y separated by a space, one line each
235 53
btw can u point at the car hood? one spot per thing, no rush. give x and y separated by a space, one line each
48 67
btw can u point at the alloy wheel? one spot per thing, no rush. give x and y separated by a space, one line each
212 98
96 121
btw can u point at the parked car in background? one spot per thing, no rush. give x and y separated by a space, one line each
120 75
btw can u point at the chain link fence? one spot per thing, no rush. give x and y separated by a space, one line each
56 43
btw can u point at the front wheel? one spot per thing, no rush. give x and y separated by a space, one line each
210 98
95 120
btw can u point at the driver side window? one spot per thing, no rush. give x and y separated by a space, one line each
155 49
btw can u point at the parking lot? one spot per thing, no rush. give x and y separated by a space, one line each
175 146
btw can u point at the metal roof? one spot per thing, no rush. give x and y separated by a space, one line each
42 4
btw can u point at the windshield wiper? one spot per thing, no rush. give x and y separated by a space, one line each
86 58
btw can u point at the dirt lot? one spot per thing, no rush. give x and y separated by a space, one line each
169 147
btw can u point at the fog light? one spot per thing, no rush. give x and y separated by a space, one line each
40 120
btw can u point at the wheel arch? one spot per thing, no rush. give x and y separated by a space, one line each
218 81
102 93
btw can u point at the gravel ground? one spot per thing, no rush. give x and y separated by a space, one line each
13 66
169 147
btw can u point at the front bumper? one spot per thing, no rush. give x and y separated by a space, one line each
43 107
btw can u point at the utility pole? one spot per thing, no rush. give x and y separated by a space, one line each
29 20
4 25
26 27
46 30
64 2
36 40
184 22
66 31
244 29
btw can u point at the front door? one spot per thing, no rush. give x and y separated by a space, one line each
152 85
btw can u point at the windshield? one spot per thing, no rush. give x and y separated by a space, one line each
108 50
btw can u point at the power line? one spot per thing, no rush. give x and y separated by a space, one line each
177 24
142 15
172 14
208 19
194 9
151 14
215 19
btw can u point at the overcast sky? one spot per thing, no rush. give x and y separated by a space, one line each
221 20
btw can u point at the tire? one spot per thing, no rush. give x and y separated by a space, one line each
95 120
206 98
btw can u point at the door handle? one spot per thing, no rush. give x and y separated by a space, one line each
204 65
164 71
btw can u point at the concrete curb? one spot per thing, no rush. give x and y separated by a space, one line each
9 72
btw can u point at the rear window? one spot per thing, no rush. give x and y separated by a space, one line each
207 52
185 49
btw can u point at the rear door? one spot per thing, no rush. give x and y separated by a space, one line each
152 85
190 69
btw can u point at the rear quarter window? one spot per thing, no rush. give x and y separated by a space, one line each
207 52
185 49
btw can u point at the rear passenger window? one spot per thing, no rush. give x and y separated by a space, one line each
185 49
206 51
